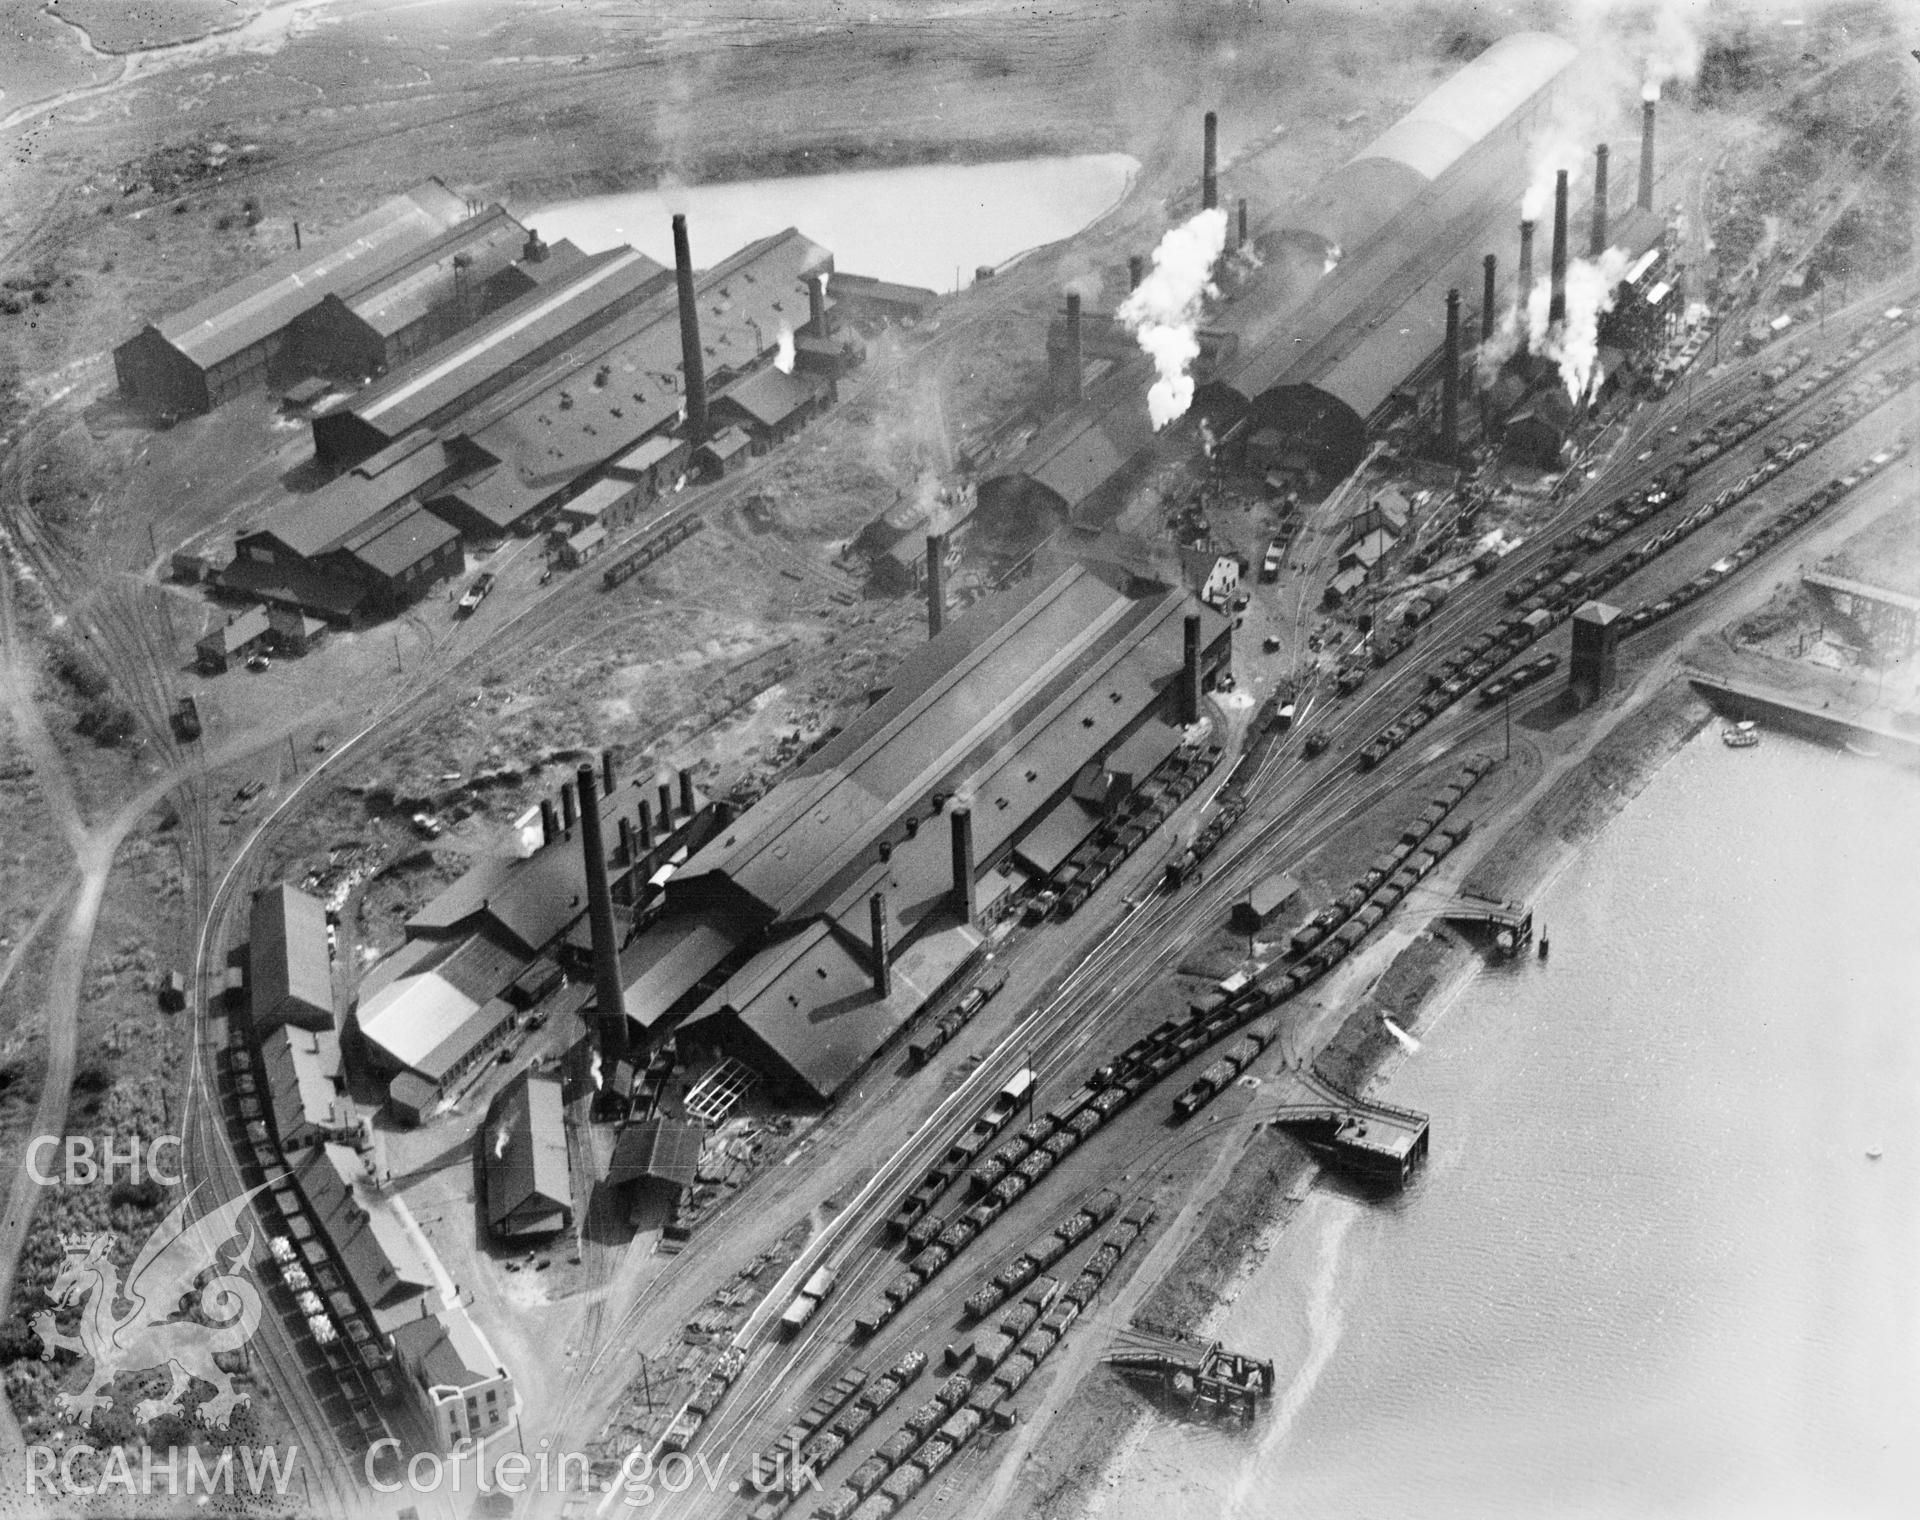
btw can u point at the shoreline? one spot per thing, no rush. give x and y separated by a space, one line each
1101 1423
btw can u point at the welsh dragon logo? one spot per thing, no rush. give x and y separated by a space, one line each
149 1332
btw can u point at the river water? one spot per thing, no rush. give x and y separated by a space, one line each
1652 1270
931 225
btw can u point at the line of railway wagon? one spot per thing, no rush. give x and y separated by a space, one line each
986 1371
1537 613
994 1181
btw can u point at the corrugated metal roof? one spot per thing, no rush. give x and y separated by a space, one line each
311 525
420 279
662 1148
972 684
405 541
558 423
410 1017
668 960
524 1149
769 395
387 1267
301 1068
287 951
438 381
241 315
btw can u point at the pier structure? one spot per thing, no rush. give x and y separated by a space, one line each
1374 1140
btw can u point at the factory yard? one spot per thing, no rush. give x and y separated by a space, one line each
694 828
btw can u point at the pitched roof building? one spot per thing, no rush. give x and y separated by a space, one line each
195 359
524 1150
290 968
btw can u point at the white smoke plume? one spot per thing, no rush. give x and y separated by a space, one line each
783 355
593 1071
1164 312
500 1142
1575 344
1673 50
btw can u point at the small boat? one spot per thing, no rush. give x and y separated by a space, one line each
1743 735
1873 1153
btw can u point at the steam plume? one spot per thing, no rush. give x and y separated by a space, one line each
1673 52
1575 344
594 1071
500 1142
1164 312
783 356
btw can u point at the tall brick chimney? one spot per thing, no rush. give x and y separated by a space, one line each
609 998
1645 201
693 364
1209 178
1450 381
964 890
1597 244
882 945
1489 267
936 583
1557 291
1190 671
1525 281
1074 366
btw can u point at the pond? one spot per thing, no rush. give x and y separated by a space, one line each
931 225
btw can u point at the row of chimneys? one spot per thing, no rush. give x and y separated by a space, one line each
580 805
1557 296
965 896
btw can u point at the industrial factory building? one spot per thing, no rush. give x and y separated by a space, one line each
806 932
361 545
524 1151
1345 328
581 296
420 297
289 966
196 359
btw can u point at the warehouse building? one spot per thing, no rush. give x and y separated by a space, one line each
1340 330
583 296
389 1277
529 1185
305 1088
431 1012
418 298
806 932
289 965
361 546
605 398
199 358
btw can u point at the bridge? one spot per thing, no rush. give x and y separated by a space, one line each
1377 1140
1890 618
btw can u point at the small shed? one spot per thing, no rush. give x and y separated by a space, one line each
653 465
576 549
1267 900
720 453
236 641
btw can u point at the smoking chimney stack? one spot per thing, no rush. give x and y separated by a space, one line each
609 998
568 816
936 583
549 822
1526 281
882 948
1597 244
646 826
1074 378
1136 271
817 317
1557 291
693 365
686 790
1209 181
1450 381
1190 672
963 885
1242 242
1645 202
1489 266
